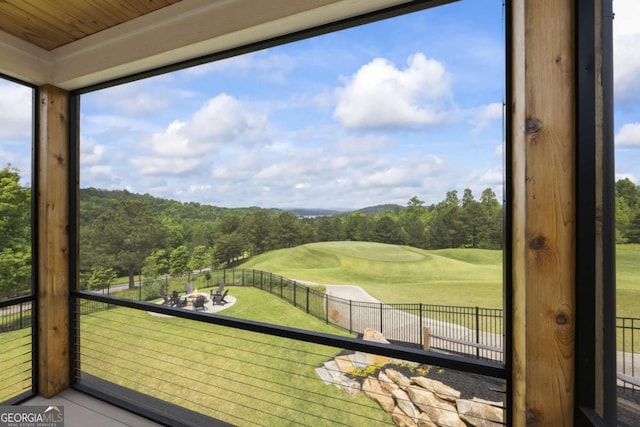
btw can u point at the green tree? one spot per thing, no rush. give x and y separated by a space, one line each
473 220
412 223
156 264
358 227
492 237
627 206
633 234
101 278
444 229
15 234
387 230
258 232
200 258
228 248
629 192
125 236
179 261
286 230
326 229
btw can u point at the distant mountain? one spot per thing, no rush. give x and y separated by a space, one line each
372 210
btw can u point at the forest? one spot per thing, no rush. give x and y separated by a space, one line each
127 234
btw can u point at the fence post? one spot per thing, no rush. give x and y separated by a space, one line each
422 338
350 316
426 334
326 309
294 292
307 300
380 317
477 333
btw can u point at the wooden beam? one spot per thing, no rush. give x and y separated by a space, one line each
543 114
53 240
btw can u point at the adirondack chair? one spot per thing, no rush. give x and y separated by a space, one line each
165 298
223 300
219 298
220 288
199 302
177 301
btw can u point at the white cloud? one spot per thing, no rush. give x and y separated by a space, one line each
493 176
136 98
164 166
628 135
626 39
380 95
483 116
97 171
16 112
222 124
91 153
265 65
224 120
631 177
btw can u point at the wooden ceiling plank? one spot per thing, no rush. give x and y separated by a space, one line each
77 21
148 6
58 18
29 27
100 11
120 11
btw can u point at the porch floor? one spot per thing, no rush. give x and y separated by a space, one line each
82 410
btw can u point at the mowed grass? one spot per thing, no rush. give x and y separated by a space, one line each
240 377
15 363
628 280
401 274
395 274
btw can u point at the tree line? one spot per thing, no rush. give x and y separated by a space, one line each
123 233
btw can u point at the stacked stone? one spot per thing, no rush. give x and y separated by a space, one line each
411 402
423 402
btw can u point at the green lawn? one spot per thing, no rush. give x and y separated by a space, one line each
395 274
240 377
628 280
15 363
400 274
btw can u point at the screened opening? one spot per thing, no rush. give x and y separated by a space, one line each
16 257
627 209
348 184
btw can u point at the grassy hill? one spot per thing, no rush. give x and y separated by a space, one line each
401 274
395 274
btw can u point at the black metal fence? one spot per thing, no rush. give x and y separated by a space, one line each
16 349
628 356
471 331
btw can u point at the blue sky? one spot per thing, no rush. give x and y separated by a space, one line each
406 107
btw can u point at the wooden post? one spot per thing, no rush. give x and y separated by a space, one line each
53 240
543 113
426 334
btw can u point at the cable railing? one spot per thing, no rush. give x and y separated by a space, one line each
628 356
186 365
16 349
471 331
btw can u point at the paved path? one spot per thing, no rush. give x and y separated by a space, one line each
399 325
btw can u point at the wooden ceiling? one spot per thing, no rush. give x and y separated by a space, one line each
76 44
51 24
